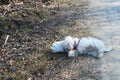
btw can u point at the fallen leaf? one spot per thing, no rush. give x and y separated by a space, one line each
11 62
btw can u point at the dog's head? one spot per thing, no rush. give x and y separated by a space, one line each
69 43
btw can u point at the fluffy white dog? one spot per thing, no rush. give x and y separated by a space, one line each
91 46
74 46
64 46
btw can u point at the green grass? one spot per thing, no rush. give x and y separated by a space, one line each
42 15
3 22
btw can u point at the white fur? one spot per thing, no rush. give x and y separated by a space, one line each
71 53
65 45
85 42
57 46
69 42
94 43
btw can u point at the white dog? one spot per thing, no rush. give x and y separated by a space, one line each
91 46
64 46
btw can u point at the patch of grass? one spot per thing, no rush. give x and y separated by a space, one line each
21 75
27 29
27 65
72 24
42 15
3 22
9 76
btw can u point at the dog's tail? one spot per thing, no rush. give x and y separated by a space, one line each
108 49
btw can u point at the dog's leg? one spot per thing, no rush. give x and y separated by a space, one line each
94 54
108 49
100 55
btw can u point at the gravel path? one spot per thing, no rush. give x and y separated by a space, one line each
104 19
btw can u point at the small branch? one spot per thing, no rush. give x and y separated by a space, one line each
6 40
7 8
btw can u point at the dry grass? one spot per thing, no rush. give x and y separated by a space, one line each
27 54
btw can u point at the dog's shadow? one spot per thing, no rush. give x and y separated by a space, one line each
56 56
64 55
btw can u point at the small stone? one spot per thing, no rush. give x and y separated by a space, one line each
30 78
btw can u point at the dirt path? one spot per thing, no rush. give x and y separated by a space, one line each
105 21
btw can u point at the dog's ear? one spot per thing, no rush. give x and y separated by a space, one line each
68 38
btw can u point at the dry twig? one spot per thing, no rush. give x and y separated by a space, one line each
6 40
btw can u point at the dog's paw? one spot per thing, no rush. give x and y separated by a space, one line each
71 53
100 55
